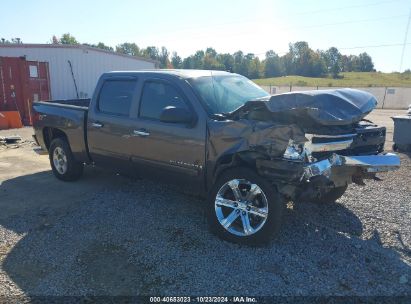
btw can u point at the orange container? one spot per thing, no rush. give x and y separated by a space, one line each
10 120
4 123
21 83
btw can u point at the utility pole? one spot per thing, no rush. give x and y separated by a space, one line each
405 40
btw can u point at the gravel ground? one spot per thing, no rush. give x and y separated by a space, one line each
139 237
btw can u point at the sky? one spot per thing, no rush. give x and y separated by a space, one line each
377 27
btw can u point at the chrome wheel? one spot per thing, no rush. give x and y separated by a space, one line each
60 160
241 207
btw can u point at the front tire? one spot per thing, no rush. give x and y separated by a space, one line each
244 208
62 162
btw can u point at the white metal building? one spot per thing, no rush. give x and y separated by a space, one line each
85 63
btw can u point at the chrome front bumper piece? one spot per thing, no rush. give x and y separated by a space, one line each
367 163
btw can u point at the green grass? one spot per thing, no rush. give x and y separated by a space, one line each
351 79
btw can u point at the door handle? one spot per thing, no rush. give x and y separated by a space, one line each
141 132
96 125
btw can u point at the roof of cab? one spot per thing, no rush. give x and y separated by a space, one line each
186 74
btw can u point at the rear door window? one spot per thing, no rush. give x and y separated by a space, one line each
156 96
116 96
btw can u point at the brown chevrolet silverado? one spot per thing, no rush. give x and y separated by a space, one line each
219 134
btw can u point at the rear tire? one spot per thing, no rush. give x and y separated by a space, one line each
62 162
244 208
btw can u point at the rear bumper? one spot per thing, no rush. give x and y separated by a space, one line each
39 139
366 164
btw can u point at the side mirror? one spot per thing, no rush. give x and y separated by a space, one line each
175 115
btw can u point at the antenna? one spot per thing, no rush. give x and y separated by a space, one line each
405 40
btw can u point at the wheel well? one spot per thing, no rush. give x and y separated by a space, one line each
51 133
241 159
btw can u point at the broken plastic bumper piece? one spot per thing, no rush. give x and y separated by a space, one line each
368 163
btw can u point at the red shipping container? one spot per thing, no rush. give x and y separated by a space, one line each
21 83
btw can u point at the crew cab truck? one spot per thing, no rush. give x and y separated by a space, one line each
218 133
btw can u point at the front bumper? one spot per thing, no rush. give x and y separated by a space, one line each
364 164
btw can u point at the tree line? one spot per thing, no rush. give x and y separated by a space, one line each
299 60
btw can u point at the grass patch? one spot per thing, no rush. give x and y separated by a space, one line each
349 79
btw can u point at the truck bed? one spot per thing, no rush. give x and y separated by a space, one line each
67 116
82 103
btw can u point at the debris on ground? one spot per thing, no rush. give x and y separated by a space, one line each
10 139
14 142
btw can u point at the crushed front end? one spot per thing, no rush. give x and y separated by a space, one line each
326 162
307 143
341 146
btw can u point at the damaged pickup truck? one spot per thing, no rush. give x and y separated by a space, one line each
219 134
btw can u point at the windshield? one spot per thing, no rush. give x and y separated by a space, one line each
225 93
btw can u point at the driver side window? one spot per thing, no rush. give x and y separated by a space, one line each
156 96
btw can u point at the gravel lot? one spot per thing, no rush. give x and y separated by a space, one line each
107 235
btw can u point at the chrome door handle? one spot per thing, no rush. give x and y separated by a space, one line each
96 125
141 133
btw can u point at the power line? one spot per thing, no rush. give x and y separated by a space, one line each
231 34
405 40
359 21
348 22
372 46
242 21
302 13
345 7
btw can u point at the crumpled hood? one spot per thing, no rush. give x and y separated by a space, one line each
319 108
266 125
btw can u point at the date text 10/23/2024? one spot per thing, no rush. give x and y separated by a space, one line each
207 299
